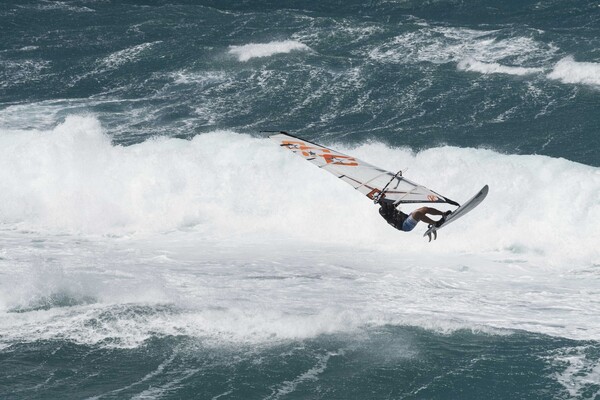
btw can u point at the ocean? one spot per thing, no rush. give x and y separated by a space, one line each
154 244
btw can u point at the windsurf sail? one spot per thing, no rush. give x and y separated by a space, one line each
375 183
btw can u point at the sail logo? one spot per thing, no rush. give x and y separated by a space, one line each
310 152
375 195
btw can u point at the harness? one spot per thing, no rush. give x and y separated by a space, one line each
393 216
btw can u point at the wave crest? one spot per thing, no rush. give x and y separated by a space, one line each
224 184
255 50
568 70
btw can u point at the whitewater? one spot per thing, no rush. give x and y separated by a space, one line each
191 207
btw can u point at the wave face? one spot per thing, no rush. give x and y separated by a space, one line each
154 245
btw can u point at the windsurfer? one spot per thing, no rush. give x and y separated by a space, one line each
407 223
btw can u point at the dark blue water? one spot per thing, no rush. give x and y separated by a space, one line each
392 362
515 77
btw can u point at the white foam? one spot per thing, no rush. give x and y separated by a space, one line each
61 5
568 70
129 325
495 68
202 79
580 374
72 179
268 291
230 238
254 50
124 56
444 45
312 374
13 73
29 48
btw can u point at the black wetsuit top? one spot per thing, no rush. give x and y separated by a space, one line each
393 216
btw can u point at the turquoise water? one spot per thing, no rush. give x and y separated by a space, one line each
404 74
390 362
153 244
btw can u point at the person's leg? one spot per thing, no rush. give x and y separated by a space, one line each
420 214
432 211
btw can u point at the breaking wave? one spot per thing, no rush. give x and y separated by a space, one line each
255 50
568 70
73 179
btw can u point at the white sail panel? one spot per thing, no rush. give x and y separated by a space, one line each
364 177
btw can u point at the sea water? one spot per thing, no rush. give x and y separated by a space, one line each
154 244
